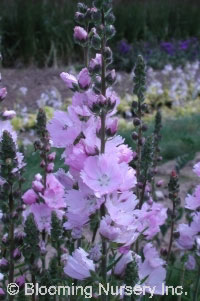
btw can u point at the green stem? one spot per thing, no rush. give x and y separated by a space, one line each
171 233
197 285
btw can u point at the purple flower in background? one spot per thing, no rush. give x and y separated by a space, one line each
124 47
168 47
183 45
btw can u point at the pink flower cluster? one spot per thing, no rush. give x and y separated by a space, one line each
189 233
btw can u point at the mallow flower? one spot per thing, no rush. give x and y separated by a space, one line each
79 266
153 268
102 174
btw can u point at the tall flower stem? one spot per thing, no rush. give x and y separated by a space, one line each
103 140
11 239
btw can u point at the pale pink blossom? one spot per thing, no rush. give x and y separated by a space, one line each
9 114
102 174
29 197
70 80
61 129
122 263
54 193
193 201
153 268
79 266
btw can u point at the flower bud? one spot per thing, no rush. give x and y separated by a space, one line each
82 7
38 177
163 252
52 156
144 127
79 17
84 79
80 34
112 129
110 31
42 164
4 265
142 141
5 239
95 64
29 197
17 254
50 167
96 41
111 77
95 253
70 81
136 121
110 18
108 55
2 294
96 15
19 238
134 136
20 281
3 93
37 186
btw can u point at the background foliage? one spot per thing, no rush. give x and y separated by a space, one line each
41 31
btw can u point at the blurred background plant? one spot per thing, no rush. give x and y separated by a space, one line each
40 32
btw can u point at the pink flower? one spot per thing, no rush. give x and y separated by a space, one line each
42 214
50 167
65 179
125 153
3 93
153 268
75 156
187 237
102 174
30 197
193 201
69 80
111 126
123 262
37 186
78 265
9 114
190 263
196 169
151 217
61 129
80 34
84 79
54 193
107 230
52 156
77 210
